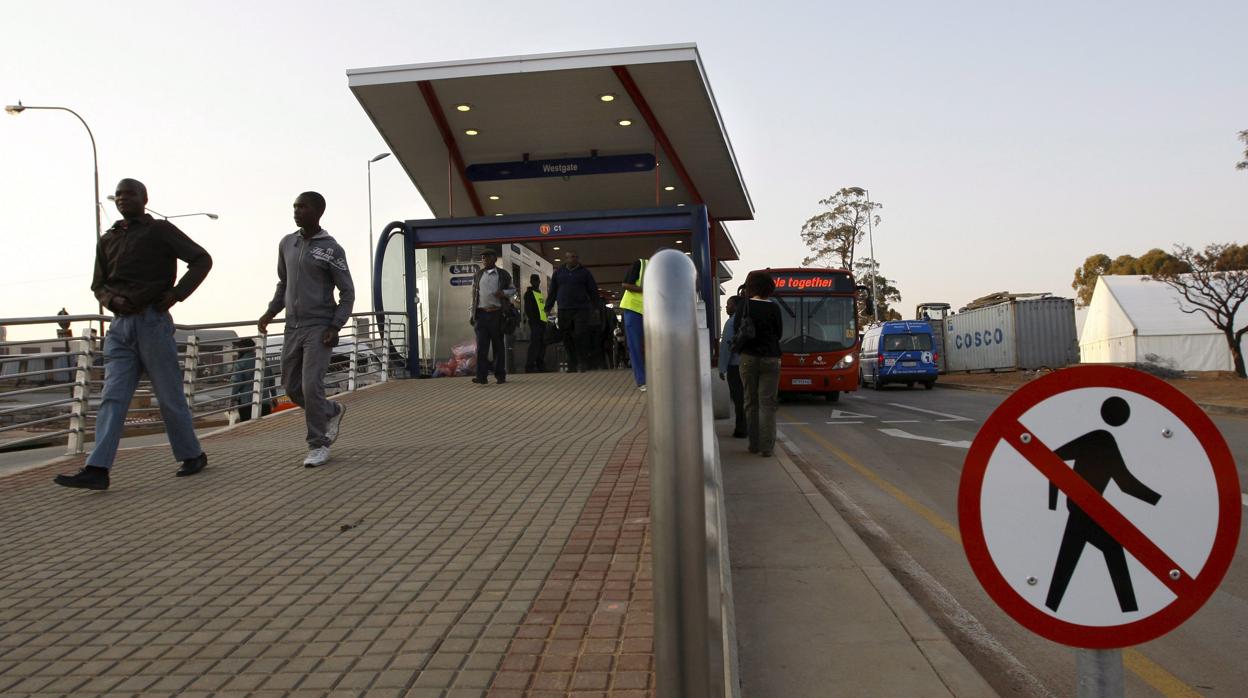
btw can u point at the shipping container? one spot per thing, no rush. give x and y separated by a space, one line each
1018 334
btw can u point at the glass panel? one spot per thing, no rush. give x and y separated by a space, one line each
907 342
829 323
790 335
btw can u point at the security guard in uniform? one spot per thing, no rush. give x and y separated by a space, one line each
631 304
535 313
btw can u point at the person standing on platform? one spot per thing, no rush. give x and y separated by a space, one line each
760 362
573 288
631 304
136 264
491 288
535 314
730 368
310 264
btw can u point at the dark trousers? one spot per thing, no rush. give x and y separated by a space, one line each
535 359
574 325
737 390
489 328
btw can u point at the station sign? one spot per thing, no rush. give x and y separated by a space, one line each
461 280
1127 541
463 269
560 167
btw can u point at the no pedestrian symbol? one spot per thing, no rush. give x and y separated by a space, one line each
1099 507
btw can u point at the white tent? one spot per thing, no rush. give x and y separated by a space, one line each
1132 319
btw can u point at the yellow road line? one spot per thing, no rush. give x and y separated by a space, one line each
1149 671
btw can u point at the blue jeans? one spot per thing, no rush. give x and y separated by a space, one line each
636 340
135 344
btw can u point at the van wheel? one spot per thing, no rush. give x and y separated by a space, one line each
929 385
876 384
909 384
833 396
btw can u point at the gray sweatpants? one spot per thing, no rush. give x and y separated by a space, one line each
305 360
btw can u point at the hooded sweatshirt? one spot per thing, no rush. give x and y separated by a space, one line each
307 272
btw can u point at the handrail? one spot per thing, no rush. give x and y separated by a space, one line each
677 506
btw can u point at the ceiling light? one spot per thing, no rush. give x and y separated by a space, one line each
679 241
680 204
498 214
556 249
558 260
669 188
471 132
463 107
495 197
607 97
625 122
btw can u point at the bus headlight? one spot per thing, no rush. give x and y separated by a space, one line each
845 362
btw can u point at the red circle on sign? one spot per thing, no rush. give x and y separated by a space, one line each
1003 425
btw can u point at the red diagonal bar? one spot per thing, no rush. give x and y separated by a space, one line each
1096 506
652 121
448 138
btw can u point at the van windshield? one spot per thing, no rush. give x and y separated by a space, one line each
817 323
907 342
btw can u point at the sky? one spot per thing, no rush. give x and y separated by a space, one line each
1006 141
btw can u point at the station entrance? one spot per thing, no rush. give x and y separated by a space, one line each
424 268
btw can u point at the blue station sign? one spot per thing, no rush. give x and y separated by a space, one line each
561 167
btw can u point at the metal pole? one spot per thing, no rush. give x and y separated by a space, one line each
370 226
875 298
1100 673
677 497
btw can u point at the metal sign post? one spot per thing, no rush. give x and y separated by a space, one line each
1100 674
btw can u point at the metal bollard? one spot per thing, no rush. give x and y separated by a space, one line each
82 397
677 495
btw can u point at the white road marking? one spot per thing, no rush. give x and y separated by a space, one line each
788 442
943 442
900 421
948 417
1244 496
837 414
792 423
842 422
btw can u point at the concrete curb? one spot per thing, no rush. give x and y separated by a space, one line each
953 668
1210 407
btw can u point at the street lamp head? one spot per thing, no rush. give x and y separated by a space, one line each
381 156
212 216
14 108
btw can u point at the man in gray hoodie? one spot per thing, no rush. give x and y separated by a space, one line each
310 264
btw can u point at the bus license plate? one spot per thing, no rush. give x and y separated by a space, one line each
801 381
909 364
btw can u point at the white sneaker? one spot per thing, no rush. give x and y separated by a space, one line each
642 388
335 423
317 456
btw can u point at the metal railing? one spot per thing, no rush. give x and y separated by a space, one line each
695 644
50 388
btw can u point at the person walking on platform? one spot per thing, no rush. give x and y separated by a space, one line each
535 315
730 368
310 264
136 264
631 304
573 288
492 292
760 361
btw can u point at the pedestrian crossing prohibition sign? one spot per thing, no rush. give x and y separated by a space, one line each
1099 507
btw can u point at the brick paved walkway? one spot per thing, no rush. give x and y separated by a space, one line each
466 540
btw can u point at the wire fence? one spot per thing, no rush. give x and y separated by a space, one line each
50 387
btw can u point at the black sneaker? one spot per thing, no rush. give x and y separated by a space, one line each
190 466
89 478
500 381
480 381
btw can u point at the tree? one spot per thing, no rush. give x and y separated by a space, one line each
885 288
1215 283
1243 164
833 235
1098 265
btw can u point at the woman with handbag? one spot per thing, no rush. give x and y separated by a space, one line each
758 330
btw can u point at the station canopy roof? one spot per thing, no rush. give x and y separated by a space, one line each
439 119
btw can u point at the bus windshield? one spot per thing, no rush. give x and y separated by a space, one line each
907 342
817 323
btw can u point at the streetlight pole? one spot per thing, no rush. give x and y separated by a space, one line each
380 156
875 298
95 160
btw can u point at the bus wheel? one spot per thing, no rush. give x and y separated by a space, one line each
833 396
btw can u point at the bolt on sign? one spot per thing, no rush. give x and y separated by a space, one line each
1099 507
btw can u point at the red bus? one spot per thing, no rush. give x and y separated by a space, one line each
819 347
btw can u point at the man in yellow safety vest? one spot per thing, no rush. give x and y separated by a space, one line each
632 306
535 314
